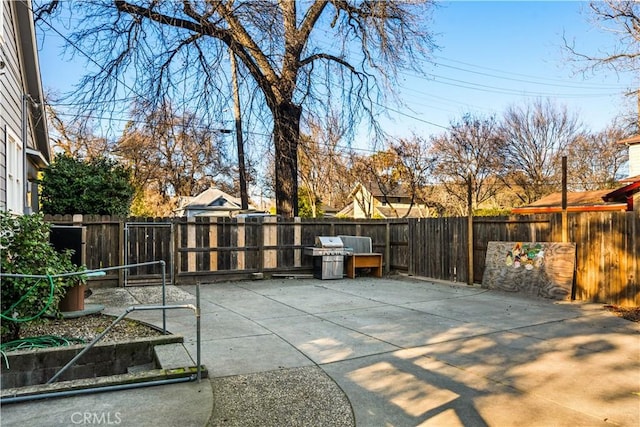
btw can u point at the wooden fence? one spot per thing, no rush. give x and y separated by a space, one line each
213 249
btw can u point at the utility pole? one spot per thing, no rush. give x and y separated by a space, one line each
244 196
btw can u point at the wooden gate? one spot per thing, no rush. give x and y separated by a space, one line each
147 242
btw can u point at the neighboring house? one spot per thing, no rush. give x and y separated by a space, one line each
623 199
211 202
24 141
371 202
620 200
633 145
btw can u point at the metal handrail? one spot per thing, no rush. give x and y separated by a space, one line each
130 309
99 271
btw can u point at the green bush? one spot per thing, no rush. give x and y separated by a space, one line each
25 249
99 186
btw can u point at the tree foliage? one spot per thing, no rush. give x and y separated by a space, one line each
301 57
99 186
170 156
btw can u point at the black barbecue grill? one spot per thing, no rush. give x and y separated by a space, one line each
328 257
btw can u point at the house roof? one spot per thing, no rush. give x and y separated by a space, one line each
584 198
631 179
212 202
623 192
587 201
630 141
347 211
413 212
376 191
212 197
33 84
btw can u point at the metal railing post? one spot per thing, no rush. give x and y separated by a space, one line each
118 319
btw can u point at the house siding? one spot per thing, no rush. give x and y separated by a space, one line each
10 88
13 85
634 160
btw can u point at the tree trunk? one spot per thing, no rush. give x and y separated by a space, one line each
286 134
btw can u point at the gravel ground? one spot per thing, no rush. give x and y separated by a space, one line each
628 313
88 327
287 397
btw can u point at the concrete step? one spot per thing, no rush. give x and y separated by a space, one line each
172 356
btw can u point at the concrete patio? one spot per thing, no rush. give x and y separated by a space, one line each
404 352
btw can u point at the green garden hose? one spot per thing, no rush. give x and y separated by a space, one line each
17 303
45 341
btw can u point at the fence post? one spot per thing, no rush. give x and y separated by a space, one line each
213 243
173 251
297 241
191 243
387 249
270 239
411 238
261 241
240 243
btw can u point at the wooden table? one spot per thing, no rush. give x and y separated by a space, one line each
364 260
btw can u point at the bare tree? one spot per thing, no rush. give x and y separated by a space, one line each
415 167
171 155
320 161
536 136
621 18
395 174
595 159
76 137
469 157
379 174
299 54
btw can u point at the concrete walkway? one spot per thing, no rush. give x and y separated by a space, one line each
404 352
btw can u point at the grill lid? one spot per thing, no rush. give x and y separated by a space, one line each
328 242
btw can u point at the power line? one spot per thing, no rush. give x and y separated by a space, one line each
76 47
562 82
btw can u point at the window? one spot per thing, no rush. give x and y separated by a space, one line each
15 173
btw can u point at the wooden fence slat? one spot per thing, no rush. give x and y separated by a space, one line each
607 246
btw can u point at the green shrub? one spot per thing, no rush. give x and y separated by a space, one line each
99 186
25 249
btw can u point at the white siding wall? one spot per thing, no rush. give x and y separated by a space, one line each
11 89
634 160
15 173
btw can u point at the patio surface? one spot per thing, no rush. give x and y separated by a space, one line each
383 352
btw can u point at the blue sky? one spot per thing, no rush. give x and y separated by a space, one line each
492 55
